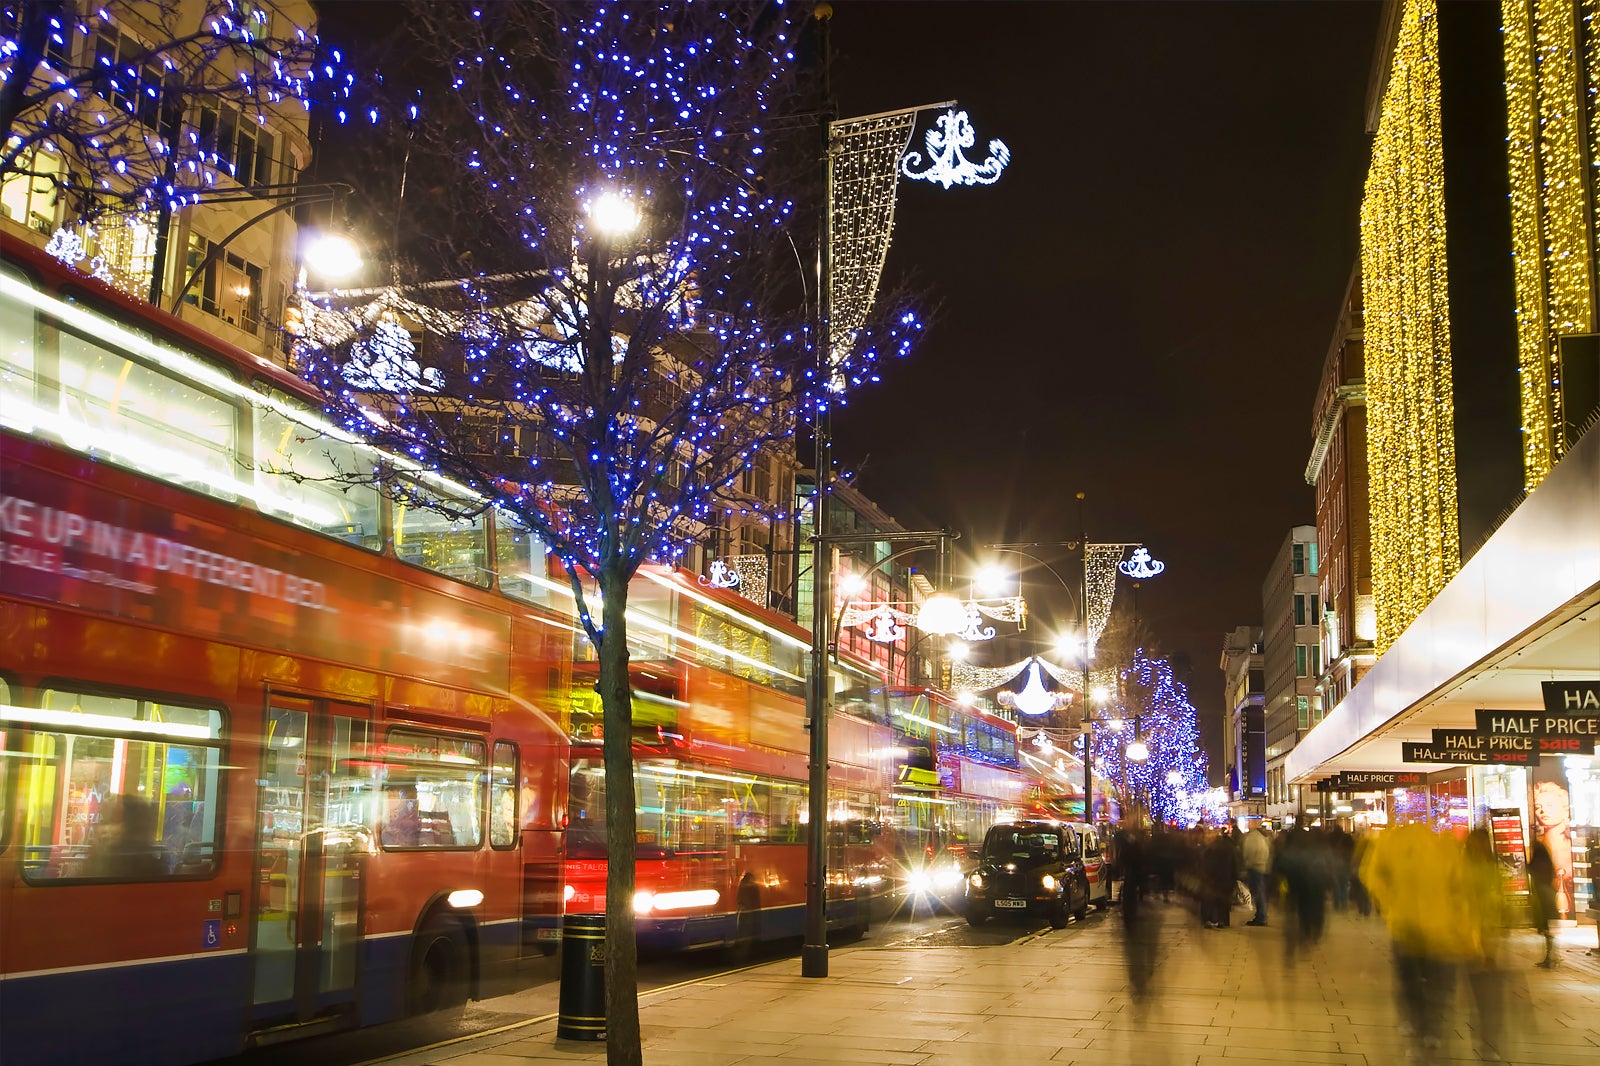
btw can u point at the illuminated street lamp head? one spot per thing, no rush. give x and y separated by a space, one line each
993 579
1069 646
942 615
852 584
959 651
1137 751
614 214
332 256
1100 694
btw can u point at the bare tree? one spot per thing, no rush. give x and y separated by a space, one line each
621 192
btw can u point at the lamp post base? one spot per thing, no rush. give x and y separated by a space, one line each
814 960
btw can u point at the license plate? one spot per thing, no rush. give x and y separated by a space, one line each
1017 904
547 934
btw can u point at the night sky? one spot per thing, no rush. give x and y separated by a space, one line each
1140 308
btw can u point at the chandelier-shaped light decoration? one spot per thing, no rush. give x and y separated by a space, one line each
947 164
976 630
883 627
719 575
1141 565
1034 699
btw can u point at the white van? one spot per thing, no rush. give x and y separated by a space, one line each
1093 851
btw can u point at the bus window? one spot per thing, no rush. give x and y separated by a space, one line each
433 791
503 796
17 360
298 477
118 788
5 764
521 560
455 547
145 419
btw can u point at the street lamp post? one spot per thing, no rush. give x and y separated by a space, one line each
814 951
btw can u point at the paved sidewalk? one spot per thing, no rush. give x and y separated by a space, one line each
1219 996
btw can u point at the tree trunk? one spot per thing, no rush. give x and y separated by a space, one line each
616 701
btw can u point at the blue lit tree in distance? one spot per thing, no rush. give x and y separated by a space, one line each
605 261
1171 782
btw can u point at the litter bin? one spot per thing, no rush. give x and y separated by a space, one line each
583 978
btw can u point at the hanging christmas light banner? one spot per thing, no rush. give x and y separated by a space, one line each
880 619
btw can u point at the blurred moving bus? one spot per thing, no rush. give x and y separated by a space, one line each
720 767
274 755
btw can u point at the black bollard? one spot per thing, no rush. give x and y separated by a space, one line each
583 978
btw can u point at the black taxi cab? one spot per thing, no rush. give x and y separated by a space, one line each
1028 867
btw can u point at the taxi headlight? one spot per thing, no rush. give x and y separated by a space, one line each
976 880
919 882
1048 882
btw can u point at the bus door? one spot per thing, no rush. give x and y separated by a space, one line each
313 833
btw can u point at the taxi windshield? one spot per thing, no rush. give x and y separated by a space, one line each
1011 843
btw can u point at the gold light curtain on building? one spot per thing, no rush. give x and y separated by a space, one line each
1552 63
1416 544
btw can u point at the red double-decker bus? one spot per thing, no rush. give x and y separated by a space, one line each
276 755
720 772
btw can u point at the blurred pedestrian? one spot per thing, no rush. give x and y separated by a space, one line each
1218 874
1140 921
1542 898
1304 864
1341 848
1257 863
1484 894
1416 878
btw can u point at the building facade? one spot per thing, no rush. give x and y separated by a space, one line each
1337 470
1244 723
1291 662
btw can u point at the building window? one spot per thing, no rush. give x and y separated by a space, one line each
1300 660
1316 660
1303 706
230 288
119 83
237 142
1299 610
1311 554
28 193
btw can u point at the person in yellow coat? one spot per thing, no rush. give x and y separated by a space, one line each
1418 880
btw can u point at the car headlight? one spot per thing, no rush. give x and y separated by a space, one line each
920 882
976 880
1048 882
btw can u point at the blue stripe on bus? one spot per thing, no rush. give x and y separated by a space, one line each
180 1010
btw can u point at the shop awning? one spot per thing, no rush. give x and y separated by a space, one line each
1525 609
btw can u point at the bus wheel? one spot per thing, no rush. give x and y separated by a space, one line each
437 982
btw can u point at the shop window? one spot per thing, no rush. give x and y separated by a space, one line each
302 476
503 783
118 788
433 791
